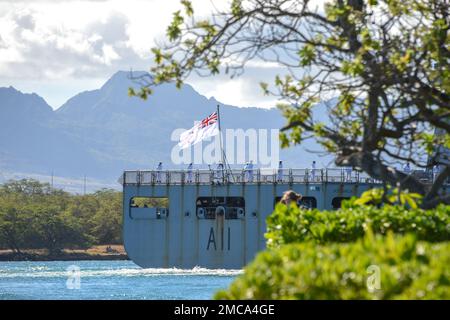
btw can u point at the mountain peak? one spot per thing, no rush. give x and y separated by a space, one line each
124 79
101 132
10 90
13 99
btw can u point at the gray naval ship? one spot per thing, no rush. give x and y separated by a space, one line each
217 220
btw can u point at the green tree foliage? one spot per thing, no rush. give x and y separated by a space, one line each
55 231
316 254
287 225
408 269
379 197
107 221
385 63
151 202
33 215
13 225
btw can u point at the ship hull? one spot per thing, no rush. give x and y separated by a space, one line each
184 236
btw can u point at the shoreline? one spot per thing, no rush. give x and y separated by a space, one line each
101 252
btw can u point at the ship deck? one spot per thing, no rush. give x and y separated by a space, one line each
257 176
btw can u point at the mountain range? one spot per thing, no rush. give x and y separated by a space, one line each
102 132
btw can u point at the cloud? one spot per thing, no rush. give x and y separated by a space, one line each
25 22
244 90
54 41
33 49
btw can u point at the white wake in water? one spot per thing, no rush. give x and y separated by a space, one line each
197 271
37 272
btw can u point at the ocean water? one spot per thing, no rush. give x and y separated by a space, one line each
107 280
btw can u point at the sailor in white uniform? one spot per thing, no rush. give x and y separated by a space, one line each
313 171
250 171
219 173
189 173
245 175
158 172
407 168
348 171
280 171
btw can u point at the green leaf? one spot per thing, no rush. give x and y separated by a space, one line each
236 8
307 55
174 29
187 7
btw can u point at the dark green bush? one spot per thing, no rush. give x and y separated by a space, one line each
408 270
288 225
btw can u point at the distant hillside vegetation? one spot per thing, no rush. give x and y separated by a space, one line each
100 133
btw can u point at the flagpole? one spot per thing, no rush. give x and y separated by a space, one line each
220 137
225 164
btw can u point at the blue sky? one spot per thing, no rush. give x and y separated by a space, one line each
61 47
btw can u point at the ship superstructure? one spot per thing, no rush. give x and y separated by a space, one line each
218 220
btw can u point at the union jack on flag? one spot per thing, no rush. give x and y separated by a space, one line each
206 128
209 120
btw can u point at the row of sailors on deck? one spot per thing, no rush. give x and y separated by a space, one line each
434 170
248 172
219 173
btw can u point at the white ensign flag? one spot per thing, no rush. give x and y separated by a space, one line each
202 130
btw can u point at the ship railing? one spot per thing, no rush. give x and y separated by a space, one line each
201 176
